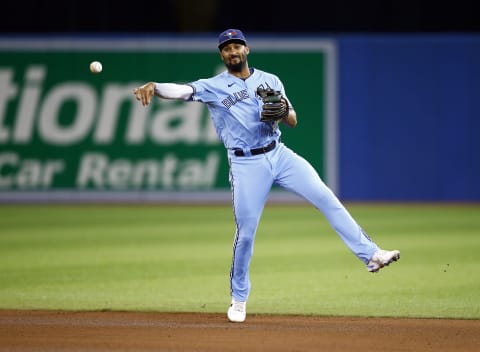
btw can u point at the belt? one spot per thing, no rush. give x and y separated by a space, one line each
256 151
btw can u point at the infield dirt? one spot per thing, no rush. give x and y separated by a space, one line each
128 331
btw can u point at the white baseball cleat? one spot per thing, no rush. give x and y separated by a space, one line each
382 258
237 312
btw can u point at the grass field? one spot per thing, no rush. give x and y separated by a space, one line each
177 259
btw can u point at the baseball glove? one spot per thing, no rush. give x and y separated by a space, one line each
275 106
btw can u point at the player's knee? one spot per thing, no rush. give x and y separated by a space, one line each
247 228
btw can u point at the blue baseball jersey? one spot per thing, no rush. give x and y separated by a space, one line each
235 107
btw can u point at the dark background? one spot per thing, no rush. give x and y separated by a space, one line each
178 16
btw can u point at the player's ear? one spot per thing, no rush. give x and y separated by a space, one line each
247 50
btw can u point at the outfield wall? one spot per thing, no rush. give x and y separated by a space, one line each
380 117
409 117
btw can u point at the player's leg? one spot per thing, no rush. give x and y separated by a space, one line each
297 175
251 180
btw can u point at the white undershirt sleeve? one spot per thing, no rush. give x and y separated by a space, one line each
173 91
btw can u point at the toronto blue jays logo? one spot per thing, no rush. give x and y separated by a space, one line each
231 33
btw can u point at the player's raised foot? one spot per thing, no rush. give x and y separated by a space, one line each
237 312
382 258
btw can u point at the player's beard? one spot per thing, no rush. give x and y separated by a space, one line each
238 67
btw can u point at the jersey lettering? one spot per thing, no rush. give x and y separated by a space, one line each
237 96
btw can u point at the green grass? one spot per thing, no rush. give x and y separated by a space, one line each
177 258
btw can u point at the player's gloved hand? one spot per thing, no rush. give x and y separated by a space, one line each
275 106
145 93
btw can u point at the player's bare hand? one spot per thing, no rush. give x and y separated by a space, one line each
145 93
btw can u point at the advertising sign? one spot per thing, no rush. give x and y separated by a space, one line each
66 132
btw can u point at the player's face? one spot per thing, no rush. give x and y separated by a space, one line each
234 56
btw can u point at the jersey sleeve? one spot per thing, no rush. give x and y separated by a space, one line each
203 91
281 88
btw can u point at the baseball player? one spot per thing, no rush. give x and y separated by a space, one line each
247 105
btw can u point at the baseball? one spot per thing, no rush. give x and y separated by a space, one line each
95 67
